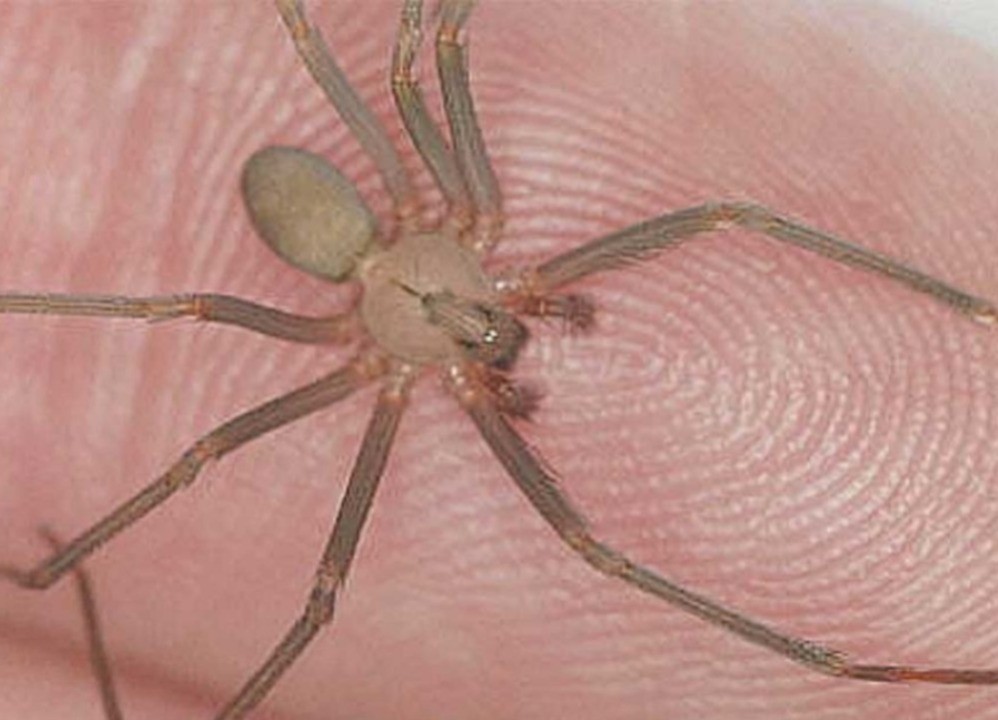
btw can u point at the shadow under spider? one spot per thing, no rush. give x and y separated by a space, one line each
429 303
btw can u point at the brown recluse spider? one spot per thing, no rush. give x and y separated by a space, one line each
428 306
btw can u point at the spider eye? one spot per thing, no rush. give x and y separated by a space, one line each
487 333
306 211
501 341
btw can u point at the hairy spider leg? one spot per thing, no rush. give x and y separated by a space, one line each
426 137
463 173
315 54
336 558
640 242
100 662
541 489
645 239
469 147
222 440
206 307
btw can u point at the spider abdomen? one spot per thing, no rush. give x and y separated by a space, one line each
307 212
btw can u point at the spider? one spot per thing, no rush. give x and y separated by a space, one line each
477 356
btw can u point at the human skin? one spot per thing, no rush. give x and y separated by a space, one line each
807 443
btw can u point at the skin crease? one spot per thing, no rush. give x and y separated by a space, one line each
807 443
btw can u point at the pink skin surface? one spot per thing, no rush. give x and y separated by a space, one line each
810 444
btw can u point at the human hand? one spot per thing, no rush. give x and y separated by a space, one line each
806 443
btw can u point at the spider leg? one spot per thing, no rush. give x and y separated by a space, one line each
99 661
220 441
426 136
645 239
541 489
469 147
339 552
314 52
208 307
